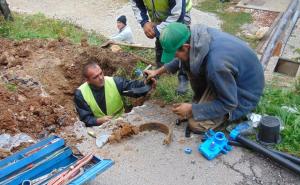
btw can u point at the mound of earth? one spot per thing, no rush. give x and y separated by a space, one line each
28 112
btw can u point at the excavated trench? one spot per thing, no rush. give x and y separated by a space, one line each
38 79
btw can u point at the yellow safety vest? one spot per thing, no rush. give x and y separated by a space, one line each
113 99
158 10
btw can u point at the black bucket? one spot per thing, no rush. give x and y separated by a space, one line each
269 130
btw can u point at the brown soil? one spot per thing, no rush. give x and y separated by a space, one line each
25 111
4 153
123 130
20 147
46 73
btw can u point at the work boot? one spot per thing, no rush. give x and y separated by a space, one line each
182 85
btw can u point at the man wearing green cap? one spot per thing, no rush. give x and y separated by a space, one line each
225 74
162 13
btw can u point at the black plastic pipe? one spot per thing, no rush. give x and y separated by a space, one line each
260 149
282 154
287 156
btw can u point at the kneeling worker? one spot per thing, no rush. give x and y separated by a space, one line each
225 74
99 98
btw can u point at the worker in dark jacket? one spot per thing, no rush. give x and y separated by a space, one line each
225 74
161 13
99 99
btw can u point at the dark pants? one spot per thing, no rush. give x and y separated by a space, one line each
158 54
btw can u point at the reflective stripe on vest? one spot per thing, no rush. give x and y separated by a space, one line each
113 99
158 10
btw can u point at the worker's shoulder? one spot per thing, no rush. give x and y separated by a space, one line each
119 81
77 93
215 60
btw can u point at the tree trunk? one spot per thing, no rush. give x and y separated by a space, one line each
5 10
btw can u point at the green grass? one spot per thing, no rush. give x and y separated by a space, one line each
297 50
272 101
231 21
165 90
148 54
297 86
11 87
37 26
297 59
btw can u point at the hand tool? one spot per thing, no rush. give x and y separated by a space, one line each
141 90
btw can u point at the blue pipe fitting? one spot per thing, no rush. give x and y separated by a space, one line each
188 150
215 144
234 134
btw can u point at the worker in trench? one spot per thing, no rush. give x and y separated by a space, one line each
99 99
225 74
162 13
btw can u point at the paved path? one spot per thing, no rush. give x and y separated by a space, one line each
143 160
269 5
98 15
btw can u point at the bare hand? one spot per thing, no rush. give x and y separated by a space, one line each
183 110
103 119
149 30
153 82
151 74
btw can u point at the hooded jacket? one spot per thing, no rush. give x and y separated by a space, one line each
227 65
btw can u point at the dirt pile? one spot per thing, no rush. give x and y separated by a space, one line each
45 74
26 111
